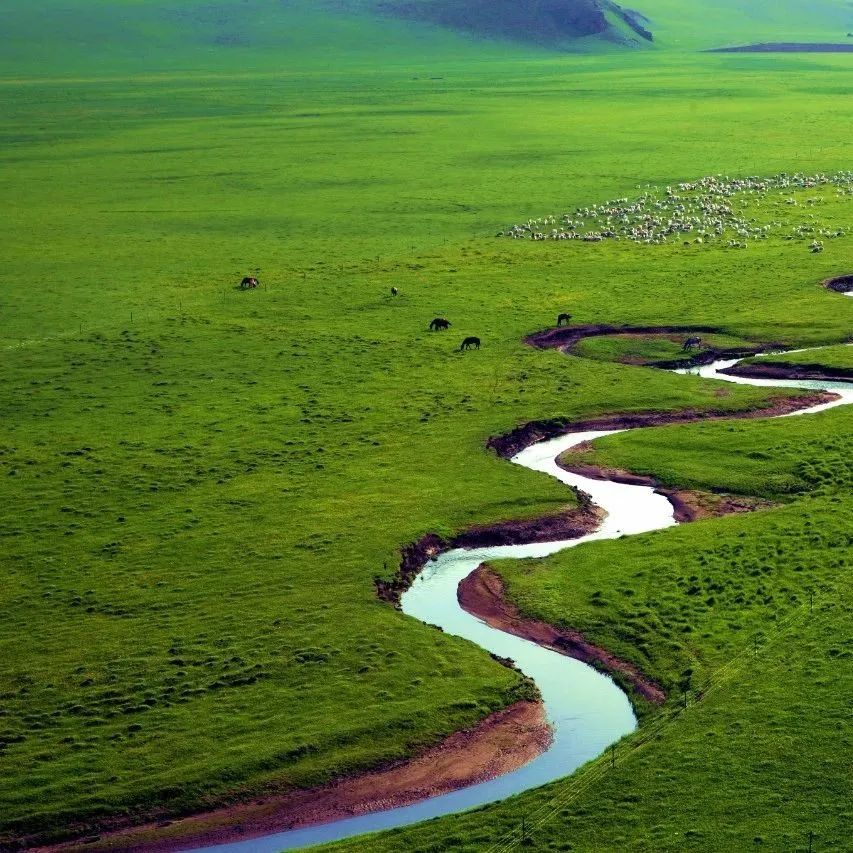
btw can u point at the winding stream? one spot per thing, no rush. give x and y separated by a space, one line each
586 709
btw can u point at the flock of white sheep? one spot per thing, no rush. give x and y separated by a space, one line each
697 212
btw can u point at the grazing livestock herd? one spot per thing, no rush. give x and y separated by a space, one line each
703 210
696 212
442 324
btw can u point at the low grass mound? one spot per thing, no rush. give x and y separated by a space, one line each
688 24
643 349
777 459
824 363
835 356
81 37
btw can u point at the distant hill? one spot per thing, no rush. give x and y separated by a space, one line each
552 23
59 37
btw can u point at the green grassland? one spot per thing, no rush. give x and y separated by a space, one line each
201 484
677 23
75 38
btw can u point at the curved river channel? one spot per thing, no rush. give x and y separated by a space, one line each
586 710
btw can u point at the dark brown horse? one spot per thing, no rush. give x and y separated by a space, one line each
564 318
470 342
439 325
249 282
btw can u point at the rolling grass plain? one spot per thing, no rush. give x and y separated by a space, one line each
201 484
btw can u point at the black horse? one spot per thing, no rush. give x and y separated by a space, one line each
692 343
394 291
439 325
470 342
564 318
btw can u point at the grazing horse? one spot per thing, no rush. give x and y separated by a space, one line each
692 343
470 342
249 282
394 291
564 318
439 325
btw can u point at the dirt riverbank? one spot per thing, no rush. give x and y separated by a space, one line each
689 504
840 284
785 370
482 594
571 523
503 742
507 445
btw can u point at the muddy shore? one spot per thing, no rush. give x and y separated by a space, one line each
689 504
783 370
503 742
566 337
571 523
506 446
482 594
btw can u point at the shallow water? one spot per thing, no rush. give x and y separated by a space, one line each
586 710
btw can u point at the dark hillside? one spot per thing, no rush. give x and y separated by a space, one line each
543 21
62 36
551 23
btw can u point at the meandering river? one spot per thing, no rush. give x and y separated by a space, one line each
586 710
